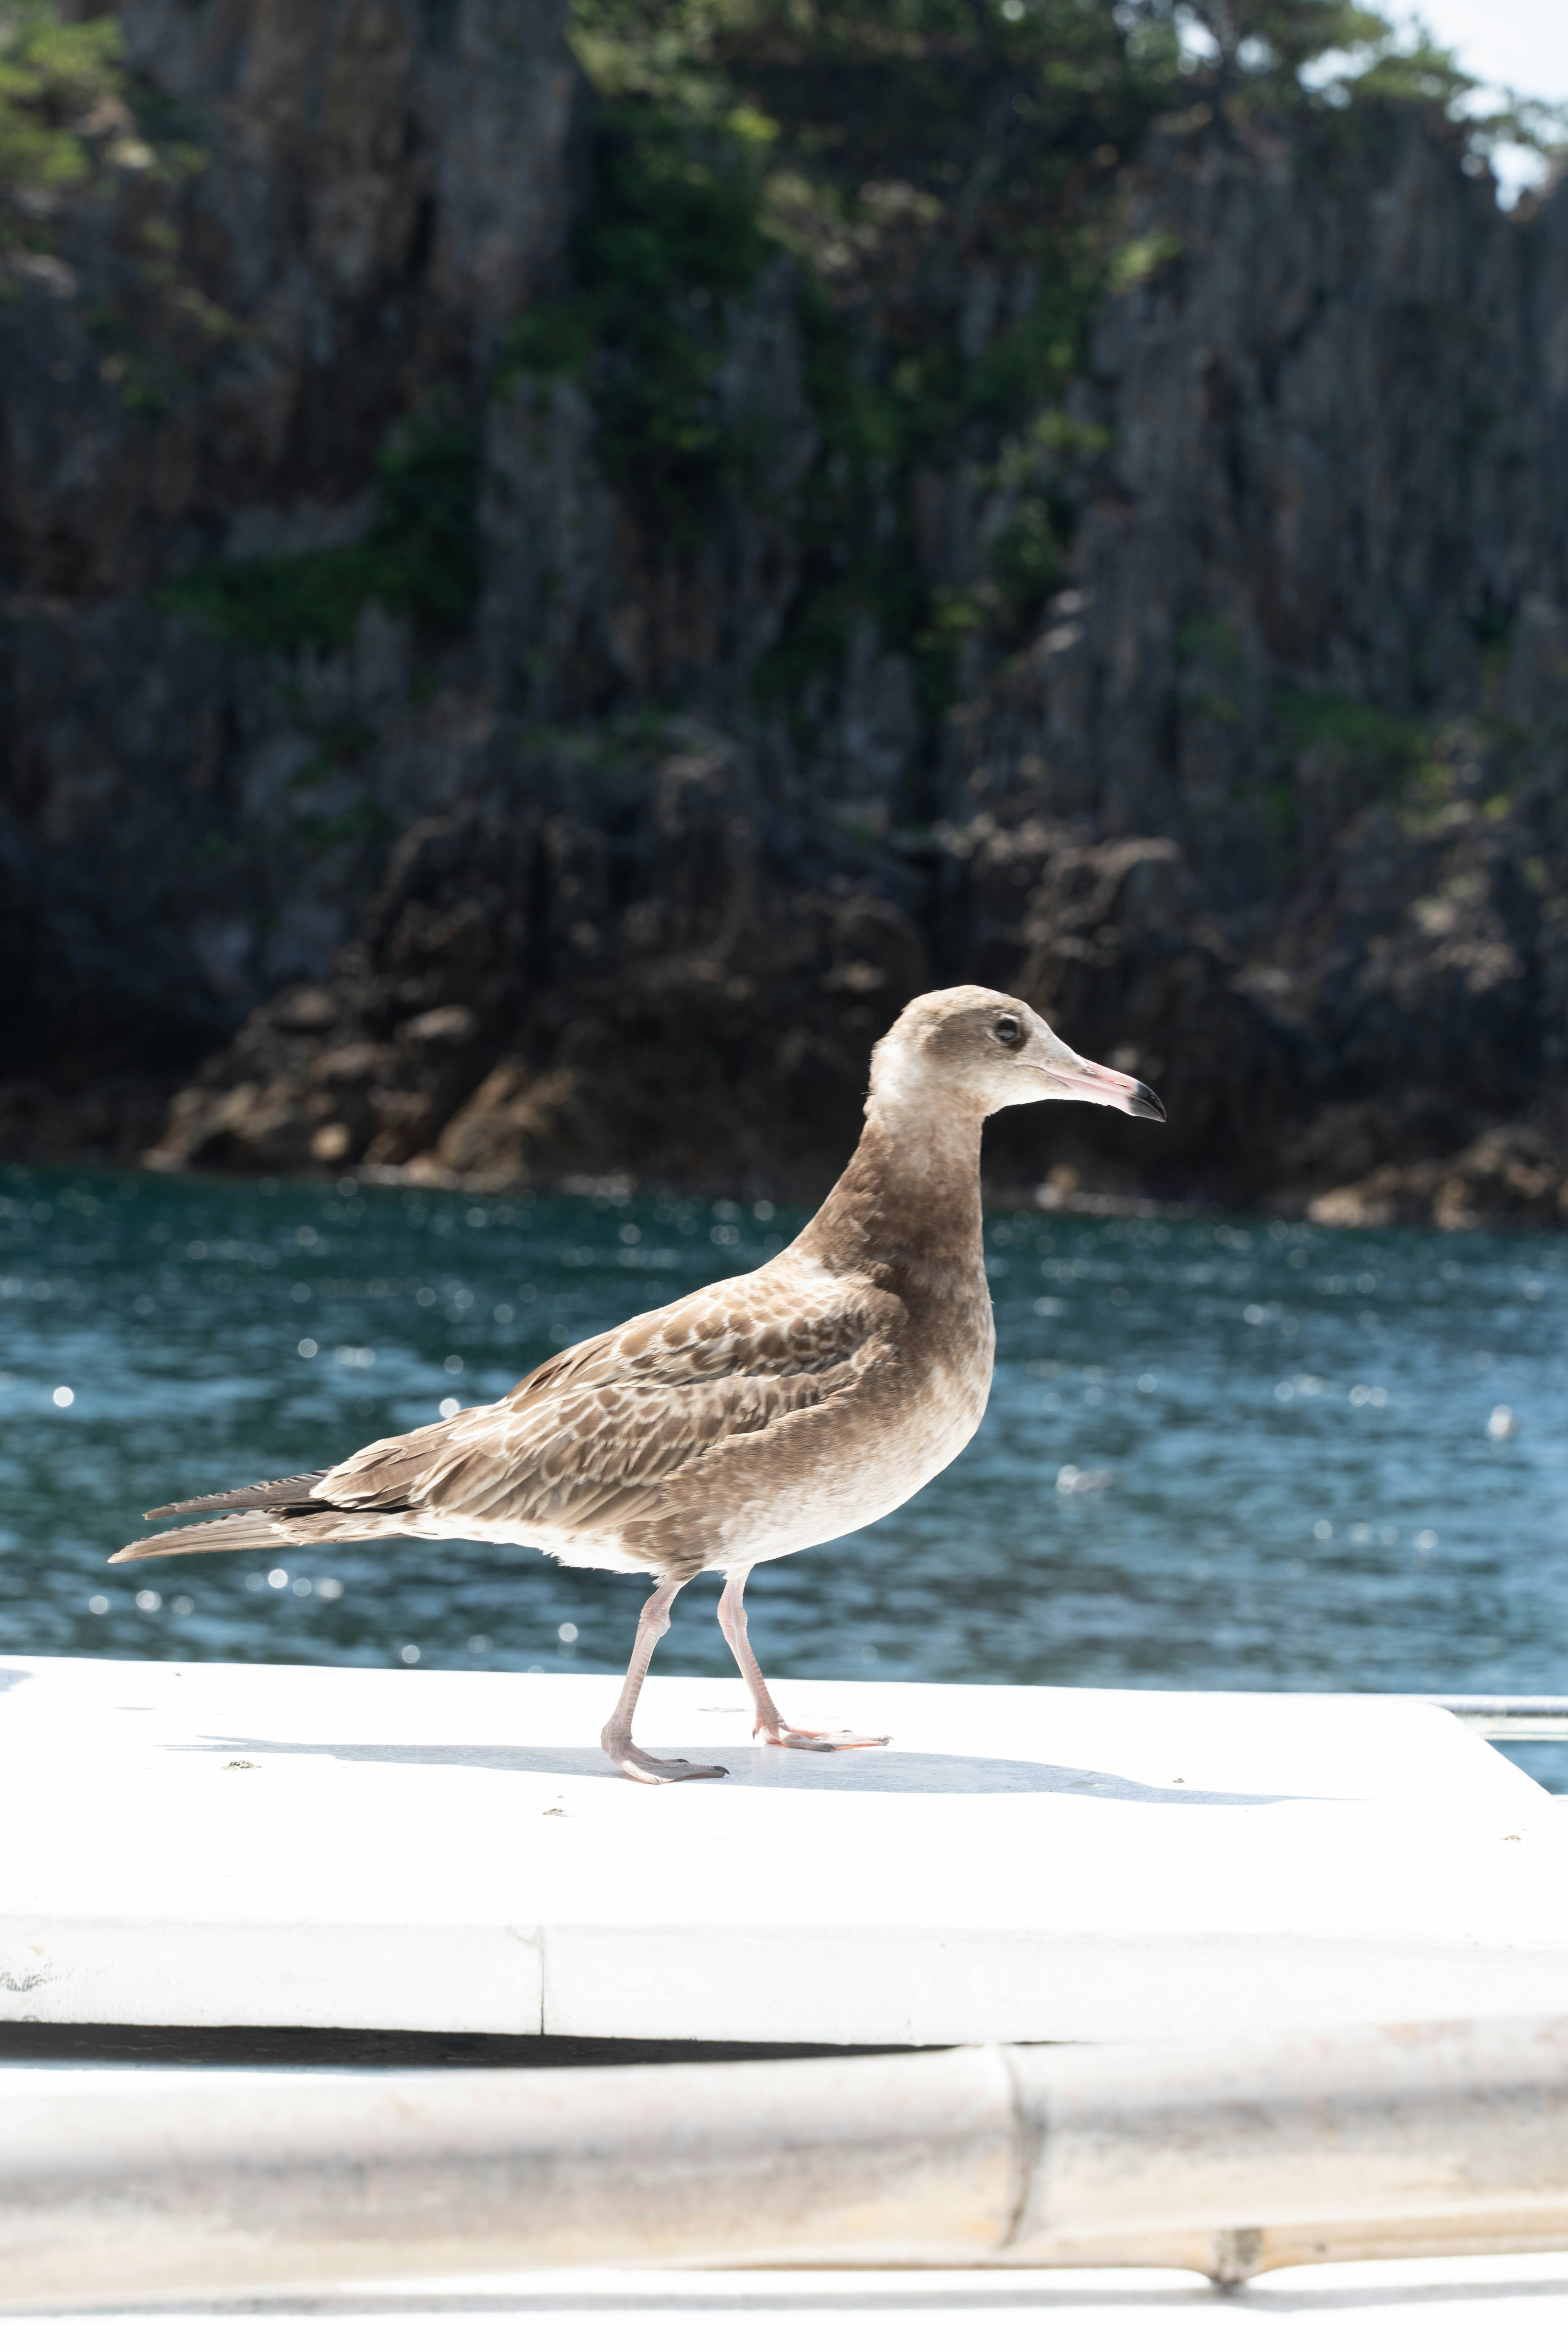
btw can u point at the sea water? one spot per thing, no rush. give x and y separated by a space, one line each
1220 1454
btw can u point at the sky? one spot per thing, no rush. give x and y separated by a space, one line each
1513 44
1518 45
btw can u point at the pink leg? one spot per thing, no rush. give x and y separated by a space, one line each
615 1738
770 1724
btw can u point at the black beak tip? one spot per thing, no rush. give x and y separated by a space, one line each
1146 1104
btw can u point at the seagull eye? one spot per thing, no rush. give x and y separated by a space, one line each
1008 1031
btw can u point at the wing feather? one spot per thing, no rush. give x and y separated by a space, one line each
590 1438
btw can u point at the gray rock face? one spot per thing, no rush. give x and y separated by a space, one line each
384 189
1269 807
1336 463
603 965
1315 637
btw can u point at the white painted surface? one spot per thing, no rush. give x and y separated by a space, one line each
1520 2301
212 1845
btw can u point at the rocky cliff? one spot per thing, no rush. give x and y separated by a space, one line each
489 694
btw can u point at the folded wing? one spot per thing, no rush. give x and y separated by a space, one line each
593 1438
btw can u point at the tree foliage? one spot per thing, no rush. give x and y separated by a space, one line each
62 108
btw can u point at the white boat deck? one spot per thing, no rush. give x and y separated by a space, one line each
229 1846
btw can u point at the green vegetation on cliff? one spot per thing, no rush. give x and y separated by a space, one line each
944 180
420 557
939 188
86 144
57 81
673 236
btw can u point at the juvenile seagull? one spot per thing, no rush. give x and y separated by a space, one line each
771 1410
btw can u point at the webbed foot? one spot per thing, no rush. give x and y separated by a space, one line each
637 1765
817 1743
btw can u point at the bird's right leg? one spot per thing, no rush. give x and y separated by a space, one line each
770 1724
615 1738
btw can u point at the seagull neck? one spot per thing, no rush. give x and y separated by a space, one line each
909 1197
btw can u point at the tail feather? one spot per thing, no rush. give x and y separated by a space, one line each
267 1495
262 1531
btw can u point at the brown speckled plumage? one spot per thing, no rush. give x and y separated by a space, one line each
767 1413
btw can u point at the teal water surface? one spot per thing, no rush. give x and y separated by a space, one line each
1218 1454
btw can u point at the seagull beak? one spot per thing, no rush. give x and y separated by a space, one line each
1091 1082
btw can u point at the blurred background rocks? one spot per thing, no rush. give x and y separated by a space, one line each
552 574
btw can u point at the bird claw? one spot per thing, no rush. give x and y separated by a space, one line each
819 1743
637 1765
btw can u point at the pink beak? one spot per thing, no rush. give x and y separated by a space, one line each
1091 1082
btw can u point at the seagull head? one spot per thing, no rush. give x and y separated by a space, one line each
992 1051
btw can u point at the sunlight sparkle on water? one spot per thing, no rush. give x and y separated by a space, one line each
1206 1452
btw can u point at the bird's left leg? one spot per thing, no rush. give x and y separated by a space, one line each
770 1724
615 1738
